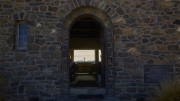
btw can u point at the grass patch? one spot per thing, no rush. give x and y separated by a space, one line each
169 90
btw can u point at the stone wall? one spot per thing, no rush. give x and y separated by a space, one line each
144 32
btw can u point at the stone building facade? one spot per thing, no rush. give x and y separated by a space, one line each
137 33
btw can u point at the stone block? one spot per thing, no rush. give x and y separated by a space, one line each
120 11
117 38
166 4
171 56
21 89
131 89
128 31
170 31
137 77
40 86
19 56
40 41
78 91
128 60
62 13
7 12
157 33
30 68
47 55
173 48
160 47
44 93
40 78
36 4
52 9
23 73
126 96
32 92
11 39
52 90
8 75
131 65
58 82
30 62
43 7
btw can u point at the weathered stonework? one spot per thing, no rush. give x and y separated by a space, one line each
137 33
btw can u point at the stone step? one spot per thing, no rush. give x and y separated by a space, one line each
77 91
75 99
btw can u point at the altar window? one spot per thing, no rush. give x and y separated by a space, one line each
84 55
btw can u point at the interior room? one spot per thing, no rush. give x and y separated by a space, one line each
85 53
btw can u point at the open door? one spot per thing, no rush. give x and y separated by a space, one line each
86 38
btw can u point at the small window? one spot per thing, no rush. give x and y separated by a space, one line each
22 36
84 55
99 55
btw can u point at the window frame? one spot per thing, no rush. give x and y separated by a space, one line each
18 36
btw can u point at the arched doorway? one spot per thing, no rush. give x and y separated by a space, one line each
106 36
87 53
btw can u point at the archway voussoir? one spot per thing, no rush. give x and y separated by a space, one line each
96 3
105 8
62 13
100 14
102 5
65 27
67 23
111 12
79 12
107 24
87 10
104 18
72 16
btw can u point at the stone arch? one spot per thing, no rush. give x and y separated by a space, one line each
107 25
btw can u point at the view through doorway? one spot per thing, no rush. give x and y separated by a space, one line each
86 54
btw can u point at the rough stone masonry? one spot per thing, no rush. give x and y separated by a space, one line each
138 32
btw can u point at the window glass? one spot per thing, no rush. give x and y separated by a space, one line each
25 33
25 44
22 36
21 27
25 27
21 33
84 55
21 44
99 55
25 39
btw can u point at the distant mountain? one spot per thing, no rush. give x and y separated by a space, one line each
90 60
79 61
85 61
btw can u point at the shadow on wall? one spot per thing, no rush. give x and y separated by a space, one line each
3 89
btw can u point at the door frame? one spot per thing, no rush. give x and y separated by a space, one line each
103 42
107 25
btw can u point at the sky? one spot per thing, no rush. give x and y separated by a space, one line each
80 54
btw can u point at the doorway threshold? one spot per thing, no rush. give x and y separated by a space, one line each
87 90
76 99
